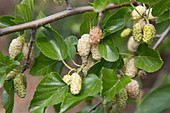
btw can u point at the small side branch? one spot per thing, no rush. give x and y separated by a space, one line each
32 40
69 6
93 108
162 36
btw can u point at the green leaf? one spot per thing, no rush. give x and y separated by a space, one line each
118 20
107 49
42 15
95 69
99 5
6 65
44 65
111 85
71 50
72 39
160 7
57 108
156 101
8 97
99 109
165 16
23 14
117 2
89 20
18 57
148 59
29 3
51 44
6 21
148 2
90 87
50 91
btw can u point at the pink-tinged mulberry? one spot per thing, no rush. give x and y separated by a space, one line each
133 89
95 35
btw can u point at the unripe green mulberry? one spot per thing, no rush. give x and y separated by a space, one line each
58 2
133 89
119 101
10 75
142 74
132 45
67 79
76 82
95 35
125 32
148 33
83 46
89 64
95 52
131 69
16 46
20 85
141 10
137 32
25 50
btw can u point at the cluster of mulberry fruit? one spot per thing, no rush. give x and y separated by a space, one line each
89 43
75 82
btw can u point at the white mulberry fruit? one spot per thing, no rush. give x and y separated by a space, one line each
89 64
133 89
137 32
95 35
76 82
83 46
95 52
141 10
126 32
150 17
20 85
148 33
16 46
131 69
132 45
142 74
25 50
67 79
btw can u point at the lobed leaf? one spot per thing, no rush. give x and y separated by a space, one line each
44 65
156 101
50 91
51 44
148 59
111 85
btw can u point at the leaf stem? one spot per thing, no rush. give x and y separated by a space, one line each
148 12
76 64
93 108
126 54
67 65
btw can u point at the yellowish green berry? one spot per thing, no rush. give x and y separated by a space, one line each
148 33
126 32
137 32
67 79
10 75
